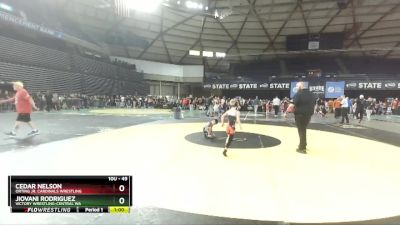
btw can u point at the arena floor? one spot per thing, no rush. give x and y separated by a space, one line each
351 173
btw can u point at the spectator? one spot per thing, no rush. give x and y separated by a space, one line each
345 109
276 102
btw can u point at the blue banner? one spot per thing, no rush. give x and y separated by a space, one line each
334 89
293 89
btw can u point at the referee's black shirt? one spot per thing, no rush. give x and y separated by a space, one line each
304 102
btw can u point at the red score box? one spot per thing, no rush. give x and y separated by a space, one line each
78 189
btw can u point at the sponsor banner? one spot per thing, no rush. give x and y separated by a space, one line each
248 86
30 25
277 85
334 89
319 88
227 86
293 89
372 85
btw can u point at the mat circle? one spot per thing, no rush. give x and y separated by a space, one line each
241 140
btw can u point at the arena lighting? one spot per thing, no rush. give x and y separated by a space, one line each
6 7
194 52
144 6
220 54
193 5
178 2
208 54
189 4
216 15
206 8
222 13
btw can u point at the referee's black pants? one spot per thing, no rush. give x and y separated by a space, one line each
302 122
276 108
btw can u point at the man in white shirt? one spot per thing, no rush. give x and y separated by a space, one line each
345 109
276 102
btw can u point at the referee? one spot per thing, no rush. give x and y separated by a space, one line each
304 108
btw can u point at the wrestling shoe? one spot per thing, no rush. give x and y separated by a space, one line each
34 132
11 133
303 151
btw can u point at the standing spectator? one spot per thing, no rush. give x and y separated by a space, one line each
304 109
216 107
210 106
383 106
369 105
395 103
43 102
345 109
398 106
267 107
350 105
330 105
257 103
276 102
337 106
49 101
360 104
55 102
223 105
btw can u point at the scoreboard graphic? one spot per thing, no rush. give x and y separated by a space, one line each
70 194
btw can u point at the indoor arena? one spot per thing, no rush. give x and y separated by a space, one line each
272 112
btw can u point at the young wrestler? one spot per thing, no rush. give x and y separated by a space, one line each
208 129
233 115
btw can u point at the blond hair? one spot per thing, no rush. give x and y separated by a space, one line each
233 102
18 83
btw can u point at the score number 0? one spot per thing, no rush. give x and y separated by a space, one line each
121 188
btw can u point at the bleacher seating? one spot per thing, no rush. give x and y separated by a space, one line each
17 51
94 67
358 68
39 79
35 78
257 70
372 66
302 65
45 69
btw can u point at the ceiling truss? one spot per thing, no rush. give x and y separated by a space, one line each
254 29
